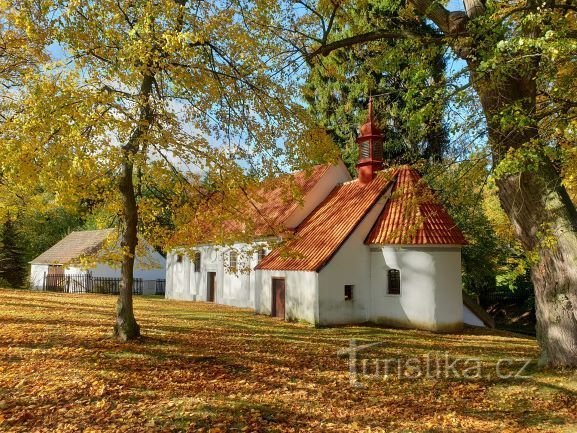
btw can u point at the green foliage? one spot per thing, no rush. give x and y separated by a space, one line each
493 259
41 229
12 257
407 78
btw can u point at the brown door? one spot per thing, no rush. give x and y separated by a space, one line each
278 297
211 281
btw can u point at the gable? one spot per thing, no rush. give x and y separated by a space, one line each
268 208
324 231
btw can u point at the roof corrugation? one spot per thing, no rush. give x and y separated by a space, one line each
323 232
414 216
73 246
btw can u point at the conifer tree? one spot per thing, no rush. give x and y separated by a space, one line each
12 265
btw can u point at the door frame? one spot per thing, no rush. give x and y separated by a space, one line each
273 296
210 275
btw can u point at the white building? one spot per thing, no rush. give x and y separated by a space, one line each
66 258
379 249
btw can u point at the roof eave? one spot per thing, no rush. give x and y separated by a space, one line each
414 245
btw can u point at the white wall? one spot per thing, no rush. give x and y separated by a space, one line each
430 287
350 265
335 175
232 288
37 273
177 283
471 318
301 301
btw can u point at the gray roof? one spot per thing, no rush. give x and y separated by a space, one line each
73 246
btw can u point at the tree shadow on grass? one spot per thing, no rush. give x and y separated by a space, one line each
239 415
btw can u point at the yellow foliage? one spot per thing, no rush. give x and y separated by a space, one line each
220 104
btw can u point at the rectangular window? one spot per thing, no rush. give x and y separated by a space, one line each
197 261
233 261
349 292
55 270
179 258
261 254
394 280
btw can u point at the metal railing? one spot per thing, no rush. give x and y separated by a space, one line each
86 283
160 287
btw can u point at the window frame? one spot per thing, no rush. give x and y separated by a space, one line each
261 254
349 290
233 257
197 261
394 275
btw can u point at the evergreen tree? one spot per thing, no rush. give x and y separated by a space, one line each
12 264
519 59
406 89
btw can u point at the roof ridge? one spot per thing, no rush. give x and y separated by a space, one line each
324 231
93 230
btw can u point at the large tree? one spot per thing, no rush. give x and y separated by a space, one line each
404 77
138 90
520 58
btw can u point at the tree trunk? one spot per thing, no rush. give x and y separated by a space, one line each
543 217
126 327
537 204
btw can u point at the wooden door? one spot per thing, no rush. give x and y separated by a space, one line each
278 297
211 286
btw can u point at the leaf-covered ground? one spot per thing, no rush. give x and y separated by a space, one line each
203 367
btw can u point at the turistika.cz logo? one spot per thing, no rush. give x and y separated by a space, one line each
435 365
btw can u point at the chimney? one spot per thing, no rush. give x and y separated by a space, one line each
370 142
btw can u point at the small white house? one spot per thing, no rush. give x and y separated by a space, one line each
380 248
65 259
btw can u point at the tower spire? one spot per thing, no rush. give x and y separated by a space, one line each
371 119
370 142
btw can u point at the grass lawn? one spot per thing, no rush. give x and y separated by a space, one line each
202 367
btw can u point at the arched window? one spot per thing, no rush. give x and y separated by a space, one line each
394 282
197 261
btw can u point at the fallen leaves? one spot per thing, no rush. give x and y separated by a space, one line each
206 368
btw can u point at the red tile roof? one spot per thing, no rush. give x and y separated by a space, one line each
323 232
273 202
414 216
260 209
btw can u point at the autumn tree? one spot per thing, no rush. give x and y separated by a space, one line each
519 57
140 91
